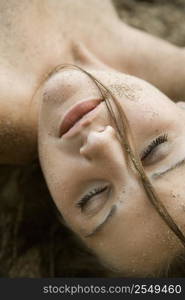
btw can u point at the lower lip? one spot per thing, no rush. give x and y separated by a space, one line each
85 120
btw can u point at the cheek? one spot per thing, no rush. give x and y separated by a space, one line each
147 117
54 174
172 192
136 244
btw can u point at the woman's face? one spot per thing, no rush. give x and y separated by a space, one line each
93 184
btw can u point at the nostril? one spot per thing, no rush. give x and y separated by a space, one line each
101 129
87 152
110 130
97 142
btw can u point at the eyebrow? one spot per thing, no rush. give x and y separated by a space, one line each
101 225
173 167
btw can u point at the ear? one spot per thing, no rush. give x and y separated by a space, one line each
181 104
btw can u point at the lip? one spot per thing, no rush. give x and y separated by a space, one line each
77 115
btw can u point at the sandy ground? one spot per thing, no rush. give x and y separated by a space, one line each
25 249
163 18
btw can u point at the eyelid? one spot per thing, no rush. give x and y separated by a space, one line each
92 193
154 143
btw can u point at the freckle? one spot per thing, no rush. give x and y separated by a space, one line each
123 192
131 91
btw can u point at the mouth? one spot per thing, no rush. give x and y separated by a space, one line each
73 117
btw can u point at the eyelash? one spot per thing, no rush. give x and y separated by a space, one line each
159 140
83 201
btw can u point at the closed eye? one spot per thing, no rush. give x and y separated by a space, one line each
149 150
83 202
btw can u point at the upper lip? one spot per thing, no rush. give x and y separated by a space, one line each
76 113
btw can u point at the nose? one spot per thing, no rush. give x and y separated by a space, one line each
99 143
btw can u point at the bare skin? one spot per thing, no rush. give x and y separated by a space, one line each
116 220
36 36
